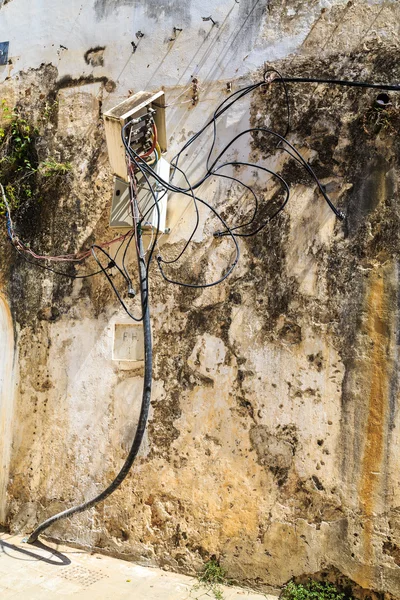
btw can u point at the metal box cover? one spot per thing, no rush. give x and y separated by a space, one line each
121 215
118 116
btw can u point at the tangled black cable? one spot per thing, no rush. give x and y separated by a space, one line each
250 226
213 169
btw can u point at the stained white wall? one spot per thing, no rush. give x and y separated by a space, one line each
246 36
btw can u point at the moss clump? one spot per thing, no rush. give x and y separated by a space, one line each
51 167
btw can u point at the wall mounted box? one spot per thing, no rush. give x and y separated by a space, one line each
121 214
114 120
128 342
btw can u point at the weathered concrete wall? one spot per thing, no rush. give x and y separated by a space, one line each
274 434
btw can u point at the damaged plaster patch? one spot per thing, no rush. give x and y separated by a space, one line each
275 449
207 356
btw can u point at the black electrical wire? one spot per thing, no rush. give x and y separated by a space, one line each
220 110
338 213
94 247
342 82
282 141
143 166
260 227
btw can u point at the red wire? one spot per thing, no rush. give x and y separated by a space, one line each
79 256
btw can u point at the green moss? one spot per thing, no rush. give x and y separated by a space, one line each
18 156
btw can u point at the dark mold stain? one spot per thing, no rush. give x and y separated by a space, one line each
275 449
68 82
95 56
317 483
371 187
50 313
290 333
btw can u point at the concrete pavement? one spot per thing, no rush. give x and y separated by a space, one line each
51 571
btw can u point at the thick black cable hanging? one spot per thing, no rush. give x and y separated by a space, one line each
342 82
144 410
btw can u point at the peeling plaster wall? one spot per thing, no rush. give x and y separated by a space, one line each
273 441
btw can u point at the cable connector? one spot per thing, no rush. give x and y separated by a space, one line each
131 292
218 234
269 76
340 215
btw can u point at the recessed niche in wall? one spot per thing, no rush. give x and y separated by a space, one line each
128 342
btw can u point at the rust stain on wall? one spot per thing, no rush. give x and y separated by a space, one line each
372 472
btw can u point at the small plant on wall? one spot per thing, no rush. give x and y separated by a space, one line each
212 578
312 590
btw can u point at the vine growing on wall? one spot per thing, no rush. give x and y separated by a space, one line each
18 156
20 167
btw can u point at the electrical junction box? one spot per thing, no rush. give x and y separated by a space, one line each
128 342
121 212
140 106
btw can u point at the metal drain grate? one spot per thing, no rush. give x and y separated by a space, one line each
81 575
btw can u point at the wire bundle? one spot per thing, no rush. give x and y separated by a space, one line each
247 229
145 165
